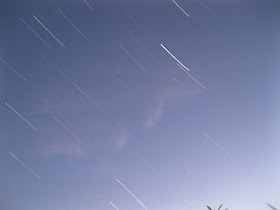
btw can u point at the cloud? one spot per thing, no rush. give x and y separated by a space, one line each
123 138
155 115
169 94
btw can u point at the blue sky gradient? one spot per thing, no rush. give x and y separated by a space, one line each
141 119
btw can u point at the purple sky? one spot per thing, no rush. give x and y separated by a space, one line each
96 99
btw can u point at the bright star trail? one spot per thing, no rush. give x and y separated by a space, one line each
173 56
180 8
178 100
48 30
52 29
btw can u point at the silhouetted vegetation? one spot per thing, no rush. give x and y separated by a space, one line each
218 208
272 207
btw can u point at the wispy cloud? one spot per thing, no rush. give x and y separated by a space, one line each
171 93
155 114
122 140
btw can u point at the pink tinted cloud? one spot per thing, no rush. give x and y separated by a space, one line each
123 138
154 115
174 92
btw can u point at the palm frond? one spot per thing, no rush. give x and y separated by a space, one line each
271 206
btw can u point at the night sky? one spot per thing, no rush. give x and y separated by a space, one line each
129 104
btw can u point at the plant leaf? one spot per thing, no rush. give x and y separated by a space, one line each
220 207
271 206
